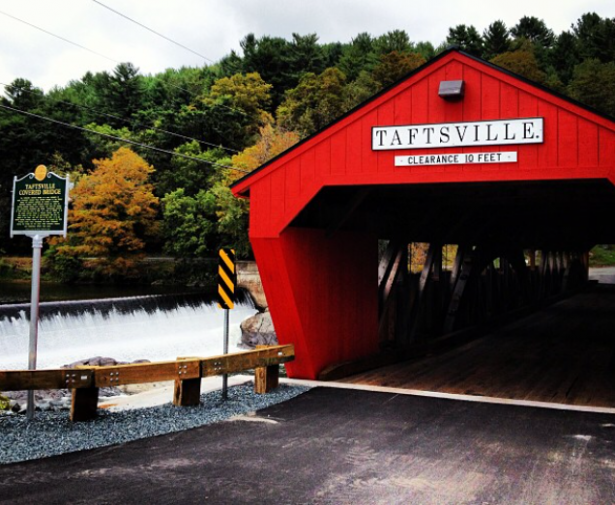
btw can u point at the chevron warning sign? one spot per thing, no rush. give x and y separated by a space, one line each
227 279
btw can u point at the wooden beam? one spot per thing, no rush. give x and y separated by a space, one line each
63 378
108 376
388 270
238 362
425 274
461 249
339 220
458 291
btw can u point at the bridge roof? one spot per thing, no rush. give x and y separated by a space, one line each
408 135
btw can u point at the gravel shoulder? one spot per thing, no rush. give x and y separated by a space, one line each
51 433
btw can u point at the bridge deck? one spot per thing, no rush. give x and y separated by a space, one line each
563 354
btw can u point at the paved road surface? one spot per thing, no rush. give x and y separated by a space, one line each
341 446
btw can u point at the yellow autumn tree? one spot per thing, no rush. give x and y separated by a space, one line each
271 142
113 214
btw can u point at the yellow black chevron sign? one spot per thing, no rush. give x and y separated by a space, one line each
227 279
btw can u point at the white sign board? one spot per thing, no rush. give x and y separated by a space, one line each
468 134
455 159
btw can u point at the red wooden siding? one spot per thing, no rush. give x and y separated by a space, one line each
332 316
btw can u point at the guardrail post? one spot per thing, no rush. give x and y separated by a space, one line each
84 404
266 378
187 392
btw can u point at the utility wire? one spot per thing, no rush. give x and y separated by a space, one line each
59 37
153 31
104 56
121 139
91 109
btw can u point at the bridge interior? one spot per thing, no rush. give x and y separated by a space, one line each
520 245
564 354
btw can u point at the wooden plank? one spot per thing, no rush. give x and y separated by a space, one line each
84 404
20 380
187 393
241 361
141 373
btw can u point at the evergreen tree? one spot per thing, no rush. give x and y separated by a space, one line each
466 38
496 40
535 30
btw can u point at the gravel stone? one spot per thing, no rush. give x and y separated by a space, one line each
51 433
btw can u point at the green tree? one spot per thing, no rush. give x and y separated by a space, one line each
521 62
564 56
248 94
396 40
467 38
357 56
535 30
393 66
496 40
314 103
594 84
189 224
596 37
425 49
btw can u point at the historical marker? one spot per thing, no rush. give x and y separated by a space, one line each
40 209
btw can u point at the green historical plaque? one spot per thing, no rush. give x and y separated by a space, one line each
40 202
40 209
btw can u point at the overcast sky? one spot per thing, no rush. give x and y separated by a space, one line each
213 28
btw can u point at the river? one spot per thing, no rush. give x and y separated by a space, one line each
127 327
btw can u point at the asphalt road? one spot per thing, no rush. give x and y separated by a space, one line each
338 446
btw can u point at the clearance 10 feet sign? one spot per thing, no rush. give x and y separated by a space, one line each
466 134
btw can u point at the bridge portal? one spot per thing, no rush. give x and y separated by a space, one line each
519 180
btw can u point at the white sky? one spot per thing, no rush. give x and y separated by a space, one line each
214 27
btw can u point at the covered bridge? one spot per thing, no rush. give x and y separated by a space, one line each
458 152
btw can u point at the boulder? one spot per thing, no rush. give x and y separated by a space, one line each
101 361
258 330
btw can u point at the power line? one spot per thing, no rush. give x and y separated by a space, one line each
106 57
121 139
59 37
153 31
125 120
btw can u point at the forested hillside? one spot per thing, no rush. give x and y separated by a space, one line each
155 154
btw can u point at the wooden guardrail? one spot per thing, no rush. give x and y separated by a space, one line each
187 373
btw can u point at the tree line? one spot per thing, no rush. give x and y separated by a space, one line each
226 119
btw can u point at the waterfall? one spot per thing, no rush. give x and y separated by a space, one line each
156 328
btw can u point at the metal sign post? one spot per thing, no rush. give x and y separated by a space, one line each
39 209
227 280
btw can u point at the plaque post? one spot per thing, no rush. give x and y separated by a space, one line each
37 245
39 209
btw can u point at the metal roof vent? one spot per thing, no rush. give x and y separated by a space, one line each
451 90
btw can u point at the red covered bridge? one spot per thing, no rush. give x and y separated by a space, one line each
459 152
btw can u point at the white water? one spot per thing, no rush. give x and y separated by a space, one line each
161 335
